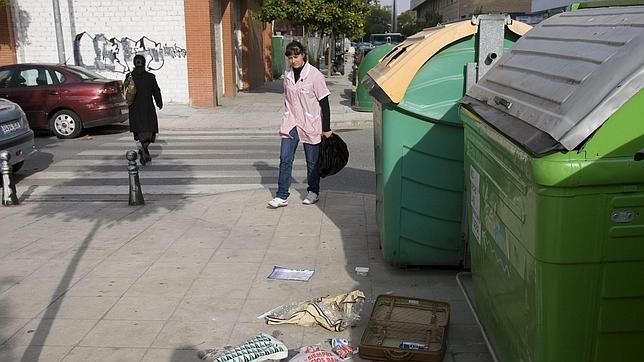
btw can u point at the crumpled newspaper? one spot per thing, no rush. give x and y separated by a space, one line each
333 313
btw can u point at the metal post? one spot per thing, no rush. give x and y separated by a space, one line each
9 197
60 43
136 195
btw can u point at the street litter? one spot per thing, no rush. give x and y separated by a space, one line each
342 348
259 348
281 273
314 353
333 313
362 270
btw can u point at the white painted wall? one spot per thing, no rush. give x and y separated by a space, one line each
160 20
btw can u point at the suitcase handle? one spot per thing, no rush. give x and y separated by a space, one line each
397 355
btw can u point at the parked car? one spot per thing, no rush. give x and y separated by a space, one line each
15 135
63 98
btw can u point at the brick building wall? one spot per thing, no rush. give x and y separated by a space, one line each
162 22
7 41
454 10
202 82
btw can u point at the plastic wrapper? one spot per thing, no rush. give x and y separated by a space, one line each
333 313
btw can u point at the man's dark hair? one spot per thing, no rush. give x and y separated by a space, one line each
139 60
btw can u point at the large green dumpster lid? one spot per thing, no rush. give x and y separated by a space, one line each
364 102
565 77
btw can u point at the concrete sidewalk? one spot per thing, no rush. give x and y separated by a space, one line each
104 281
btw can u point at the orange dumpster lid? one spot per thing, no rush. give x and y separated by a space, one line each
395 71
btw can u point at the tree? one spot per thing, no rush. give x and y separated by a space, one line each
409 25
378 21
4 2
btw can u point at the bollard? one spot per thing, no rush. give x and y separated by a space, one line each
8 188
136 196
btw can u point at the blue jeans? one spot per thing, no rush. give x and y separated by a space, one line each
287 155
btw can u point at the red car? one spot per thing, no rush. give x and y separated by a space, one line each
63 98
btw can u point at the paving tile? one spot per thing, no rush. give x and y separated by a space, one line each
220 286
265 288
472 357
115 268
98 354
167 286
9 326
465 338
171 354
192 335
238 255
52 332
244 272
109 333
214 307
35 353
101 286
143 308
70 307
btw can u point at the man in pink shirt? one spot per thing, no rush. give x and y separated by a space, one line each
307 118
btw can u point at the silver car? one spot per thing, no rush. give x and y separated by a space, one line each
15 134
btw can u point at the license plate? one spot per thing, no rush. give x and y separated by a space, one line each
125 111
10 127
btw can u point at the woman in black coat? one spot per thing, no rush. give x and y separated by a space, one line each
143 117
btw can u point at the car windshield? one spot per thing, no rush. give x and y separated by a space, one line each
84 73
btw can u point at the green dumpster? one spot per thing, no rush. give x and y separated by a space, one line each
553 135
277 55
364 102
418 136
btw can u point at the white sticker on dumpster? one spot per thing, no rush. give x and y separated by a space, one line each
475 202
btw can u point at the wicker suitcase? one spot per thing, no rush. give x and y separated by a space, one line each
406 329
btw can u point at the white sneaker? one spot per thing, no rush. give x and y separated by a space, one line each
277 202
311 198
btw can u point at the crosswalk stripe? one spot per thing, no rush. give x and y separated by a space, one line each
143 174
101 152
147 189
160 162
184 162
207 137
164 145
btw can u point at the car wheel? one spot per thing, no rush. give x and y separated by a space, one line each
65 124
17 166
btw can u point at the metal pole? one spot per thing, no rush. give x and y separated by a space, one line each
9 197
60 43
136 195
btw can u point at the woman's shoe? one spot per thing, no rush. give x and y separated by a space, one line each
142 157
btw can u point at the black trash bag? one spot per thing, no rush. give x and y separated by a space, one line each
333 155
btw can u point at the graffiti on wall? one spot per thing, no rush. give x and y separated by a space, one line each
99 52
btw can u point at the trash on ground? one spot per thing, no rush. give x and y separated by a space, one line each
314 353
362 270
282 273
259 348
333 313
342 348
88 137
416 328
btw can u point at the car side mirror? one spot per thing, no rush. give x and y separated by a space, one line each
639 155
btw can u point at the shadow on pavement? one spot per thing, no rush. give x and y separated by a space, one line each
84 235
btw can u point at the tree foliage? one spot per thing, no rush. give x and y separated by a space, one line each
328 16
378 21
4 2
409 25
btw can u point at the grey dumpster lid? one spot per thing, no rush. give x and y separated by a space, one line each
570 73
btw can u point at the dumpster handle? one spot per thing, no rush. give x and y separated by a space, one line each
639 155
476 317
